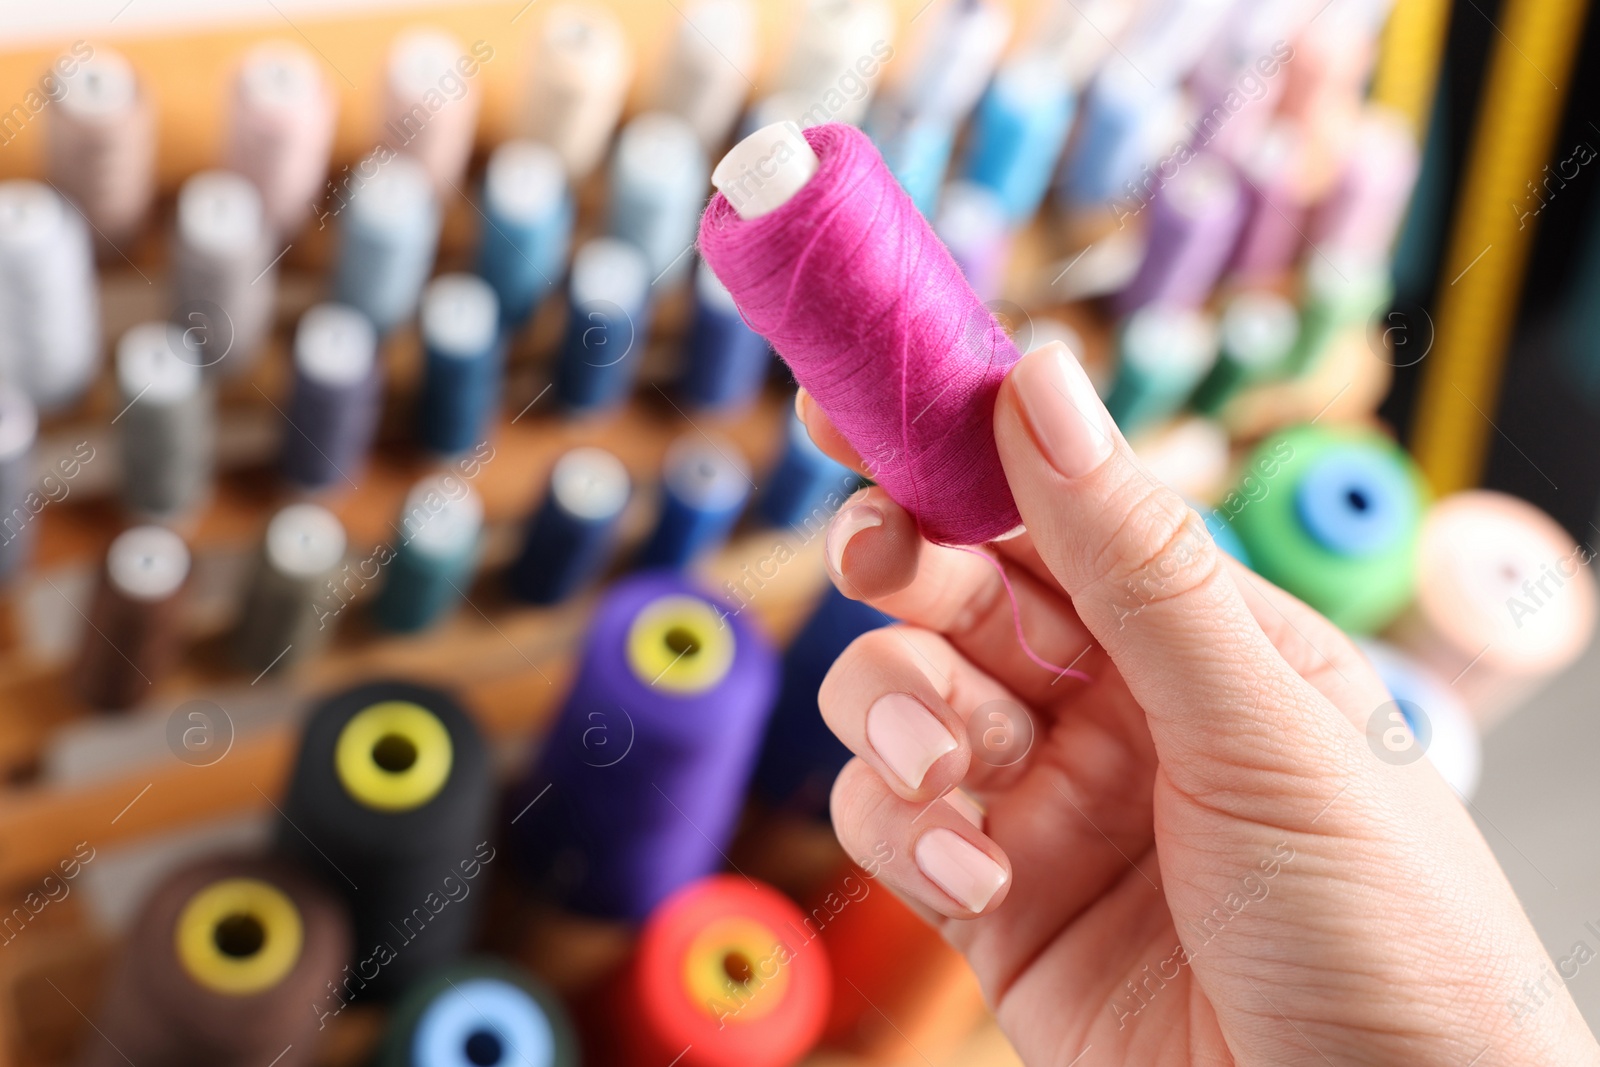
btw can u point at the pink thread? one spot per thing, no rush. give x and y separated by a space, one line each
865 305
1016 619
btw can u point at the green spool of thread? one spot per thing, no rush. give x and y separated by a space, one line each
1258 334
1338 294
478 1011
1163 353
433 558
1333 516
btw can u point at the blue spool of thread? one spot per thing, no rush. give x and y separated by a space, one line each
463 363
917 149
440 532
659 183
726 362
807 487
607 322
801 757
571 536
338 394
1018 133
388 237
704 487
648 762
1122 113
527 229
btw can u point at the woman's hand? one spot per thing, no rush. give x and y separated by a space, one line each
1199 859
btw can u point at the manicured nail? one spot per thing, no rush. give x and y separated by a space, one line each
959 868
1067 419
906 736
845 525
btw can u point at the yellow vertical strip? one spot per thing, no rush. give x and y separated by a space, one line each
1536 41
1408 65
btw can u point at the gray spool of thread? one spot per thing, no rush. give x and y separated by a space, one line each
168 422
338 394
19 430
49 311
288 612
224 278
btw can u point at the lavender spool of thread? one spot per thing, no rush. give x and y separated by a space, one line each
1363 211
389 234
972 224
19 430
136 617
102 145
287 612
224 278
168 422
1275 205
649 758
1193 225
49 311
338 393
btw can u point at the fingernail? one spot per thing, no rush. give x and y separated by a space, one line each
906 736
1065 416
845 525
959 868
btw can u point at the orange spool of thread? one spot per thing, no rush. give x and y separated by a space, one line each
725 976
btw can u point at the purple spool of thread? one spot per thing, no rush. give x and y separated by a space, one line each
1275 207
1194 223
647 765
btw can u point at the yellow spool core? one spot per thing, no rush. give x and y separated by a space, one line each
239 936
735 970
393 756
679 644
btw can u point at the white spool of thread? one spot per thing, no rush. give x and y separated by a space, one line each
837 39
49 310
280 132
430 107
708 73
579 72
102 145
222 258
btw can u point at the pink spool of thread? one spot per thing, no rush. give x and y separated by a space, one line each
1275 206
430 105
1193 225
826 256
102 145
1362 213
280 132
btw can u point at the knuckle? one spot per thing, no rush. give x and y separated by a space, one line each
1159 550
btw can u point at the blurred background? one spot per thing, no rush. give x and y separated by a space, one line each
414 595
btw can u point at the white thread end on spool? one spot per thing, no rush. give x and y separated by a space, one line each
590 483
608 270
147 563
149 367
30 213
335 345
1259 328
103 86
279 77
398 192
304 541
460 315
524 181
1177 342
763 172
418 61
441 518
708 472
19 422
220 212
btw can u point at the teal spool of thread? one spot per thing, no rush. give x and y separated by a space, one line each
1338 294
440 531
1257 336
1163 353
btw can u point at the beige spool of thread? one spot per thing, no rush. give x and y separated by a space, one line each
224 278
837 39
709 70
1504 600
431 106
102 146
290 610
579 68
137 617
280 132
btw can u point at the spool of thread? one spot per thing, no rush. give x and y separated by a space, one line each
1163 353
479 1013
389 803
1258 334
527 232
221 964
1276 202
19 431
648 760
389 235
704 485
579 71
807 486
49 310
101 150
430 105
1338 524
1194 223
1240 78
837 40
1362 213
801 757
705 78
137 618
1081 34
1339 295
463 363
829 260
280 131
441 533
725 361
972 224
719 979
658 182
916 148
1169 37
1123 115
286 615
1503 601
956 58
223 261
571 536
1432 713
338 393
168 422
1019 131
607 323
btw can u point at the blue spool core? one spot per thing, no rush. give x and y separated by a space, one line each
1355 502
483 1022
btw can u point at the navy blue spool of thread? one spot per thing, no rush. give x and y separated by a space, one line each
441 532
338 394
725 362
807 484
527 231
571 536
463 363
607 322
388 234
704 486
648 761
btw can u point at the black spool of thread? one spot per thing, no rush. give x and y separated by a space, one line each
390 803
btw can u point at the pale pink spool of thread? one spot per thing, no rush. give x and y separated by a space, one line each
1332 58
578 73
280 131
102 145
1276 206
1363 212
430 105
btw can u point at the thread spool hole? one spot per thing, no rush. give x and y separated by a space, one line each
240 936
1357 500
682 641
738 968
394 753
483 1049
